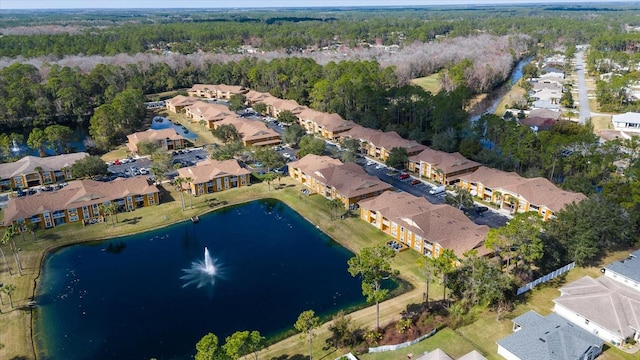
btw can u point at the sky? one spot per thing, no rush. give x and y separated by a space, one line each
159 4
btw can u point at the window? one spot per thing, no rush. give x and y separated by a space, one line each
151 199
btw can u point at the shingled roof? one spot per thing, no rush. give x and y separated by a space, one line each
250 130
550 337
384 139
604 301
28 164
76 194
350 180
312 162
447 162
538 191
441 224
210 169
629 267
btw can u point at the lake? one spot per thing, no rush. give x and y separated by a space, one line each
125 299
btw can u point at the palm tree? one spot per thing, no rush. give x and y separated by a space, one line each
202 123
33 228
39 170
9 289
177 182
269 177
8 236
157 174
188 180
334 205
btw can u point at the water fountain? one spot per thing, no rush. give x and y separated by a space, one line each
202 272
15 148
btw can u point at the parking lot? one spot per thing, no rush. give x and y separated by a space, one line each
420 188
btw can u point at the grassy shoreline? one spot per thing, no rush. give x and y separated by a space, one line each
16 329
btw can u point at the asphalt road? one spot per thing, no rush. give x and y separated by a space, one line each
585 111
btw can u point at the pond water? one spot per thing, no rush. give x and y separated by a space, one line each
126 299
160 122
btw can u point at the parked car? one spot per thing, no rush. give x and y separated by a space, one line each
481 209
437 190
380 166
415 182
369 163
144 171
404 176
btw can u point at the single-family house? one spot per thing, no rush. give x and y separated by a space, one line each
252 132
438 354
550 337
34 171
629 121
167 139
378 143
80 200
511 191
626 271
603 306
441 167
347 182
424 227
179 102
211 176
545 114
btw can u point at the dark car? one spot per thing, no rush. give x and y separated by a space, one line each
481 209
415 182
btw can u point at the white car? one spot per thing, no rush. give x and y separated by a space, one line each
380 166
369 163
144 171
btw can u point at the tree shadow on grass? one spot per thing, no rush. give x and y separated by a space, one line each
132 221
292 357
50 236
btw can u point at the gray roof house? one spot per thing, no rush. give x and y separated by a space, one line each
626 271
548 338
603 306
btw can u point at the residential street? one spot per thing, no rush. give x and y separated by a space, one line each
585 112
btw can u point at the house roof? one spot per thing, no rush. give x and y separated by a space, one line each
256 96
441 224
604 301
181 100
538 122
436 354
551 337
447 162
312 162
537 191
350 180
384 139
628 117
629 267
206 111
28 164
234 89
154 135
208 170
250 130
473 355
542 192
76 194
545 114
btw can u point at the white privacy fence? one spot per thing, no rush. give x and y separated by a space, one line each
546 278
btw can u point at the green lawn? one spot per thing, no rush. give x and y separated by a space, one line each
430 83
